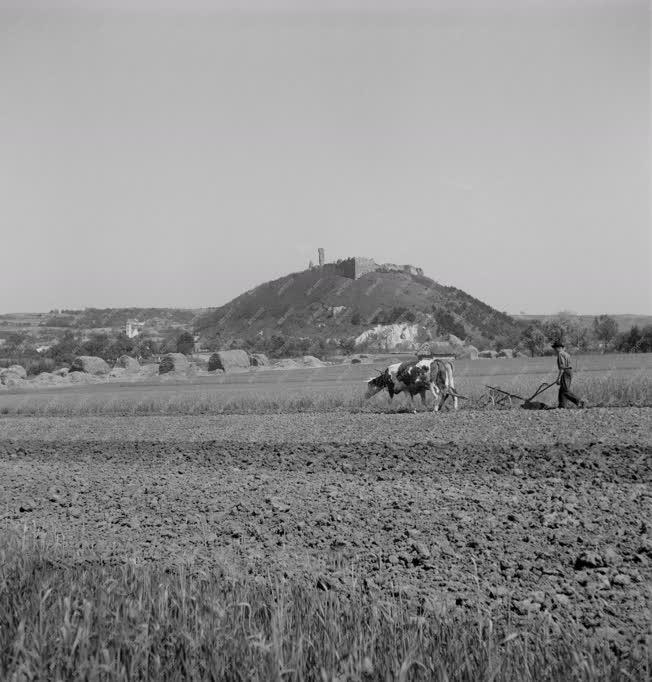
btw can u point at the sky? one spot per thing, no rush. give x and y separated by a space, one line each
180 152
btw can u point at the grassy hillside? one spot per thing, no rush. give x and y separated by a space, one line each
316 302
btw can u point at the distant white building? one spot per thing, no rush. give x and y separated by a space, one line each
134 328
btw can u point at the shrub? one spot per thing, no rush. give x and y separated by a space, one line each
636 340
185 343
35 367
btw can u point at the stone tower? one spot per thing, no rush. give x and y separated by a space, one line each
321 257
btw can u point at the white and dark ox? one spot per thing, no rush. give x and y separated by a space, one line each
417 378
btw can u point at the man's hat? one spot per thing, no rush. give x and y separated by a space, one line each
558 344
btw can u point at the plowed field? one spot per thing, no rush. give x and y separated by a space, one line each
529 513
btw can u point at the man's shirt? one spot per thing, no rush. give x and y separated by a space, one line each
564 360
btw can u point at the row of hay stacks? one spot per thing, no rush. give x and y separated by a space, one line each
16 377
448 346
454 346
505 353
234 361
307 361
89 369
85 369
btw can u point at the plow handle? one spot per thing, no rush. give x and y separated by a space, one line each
544 387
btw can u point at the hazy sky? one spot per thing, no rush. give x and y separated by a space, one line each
177 153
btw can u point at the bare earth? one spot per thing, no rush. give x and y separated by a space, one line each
518 512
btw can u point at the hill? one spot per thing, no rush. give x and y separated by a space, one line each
322 303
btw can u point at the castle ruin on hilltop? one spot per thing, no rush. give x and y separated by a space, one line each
357 266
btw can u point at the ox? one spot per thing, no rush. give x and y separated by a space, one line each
416 378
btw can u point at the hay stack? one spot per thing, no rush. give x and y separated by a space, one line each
127 363
469 352
487 354
230 361
47 379
259 360
312 361
84 378
148 370
16 370
11 380
173 362
286 363
455 341
5 375
90 365
435 349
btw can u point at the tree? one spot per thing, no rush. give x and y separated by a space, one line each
213 343
185 343
555 330
423 334
65 350
98 344
605 329
122 345
145 347
533 339
645 344
15 342
577 334
347 345
277 345
636 340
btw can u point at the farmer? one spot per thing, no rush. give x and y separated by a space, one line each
565 376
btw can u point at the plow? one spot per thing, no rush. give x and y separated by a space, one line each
499 397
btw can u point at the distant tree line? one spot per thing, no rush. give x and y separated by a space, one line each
20 348
602 335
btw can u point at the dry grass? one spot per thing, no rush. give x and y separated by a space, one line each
73 617
598 389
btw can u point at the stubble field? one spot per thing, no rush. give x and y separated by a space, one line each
483 544
605 381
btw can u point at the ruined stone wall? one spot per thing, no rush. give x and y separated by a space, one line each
393 267
357 266
353 268
362 266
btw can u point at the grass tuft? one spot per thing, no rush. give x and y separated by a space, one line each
67 618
